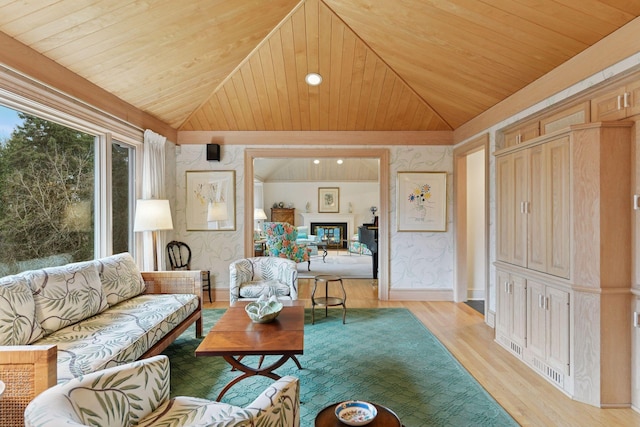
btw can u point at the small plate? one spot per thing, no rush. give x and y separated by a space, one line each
356 412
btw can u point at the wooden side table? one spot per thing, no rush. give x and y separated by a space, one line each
328 301
385 418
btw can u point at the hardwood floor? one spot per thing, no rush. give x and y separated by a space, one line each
530 399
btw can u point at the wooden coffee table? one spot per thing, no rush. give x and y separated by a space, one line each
235 336
385 418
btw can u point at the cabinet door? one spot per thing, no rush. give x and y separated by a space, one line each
503 303
518 309
504 207
536 209
633 99
635 355
536 320
557 304
557 210
520 197
608 106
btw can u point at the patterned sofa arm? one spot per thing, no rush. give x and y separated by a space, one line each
26 370
175 282
119 396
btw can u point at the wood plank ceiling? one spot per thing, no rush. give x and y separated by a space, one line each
240 65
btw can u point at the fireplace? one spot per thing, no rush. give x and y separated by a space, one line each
335 233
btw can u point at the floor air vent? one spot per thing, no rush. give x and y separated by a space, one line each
550 373
516 348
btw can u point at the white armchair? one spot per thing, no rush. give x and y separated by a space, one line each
251 278
138 394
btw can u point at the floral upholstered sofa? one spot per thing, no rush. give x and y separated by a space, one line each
60 323
137 394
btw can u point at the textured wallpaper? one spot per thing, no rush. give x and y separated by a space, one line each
419 260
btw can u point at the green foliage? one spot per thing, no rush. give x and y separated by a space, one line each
46 173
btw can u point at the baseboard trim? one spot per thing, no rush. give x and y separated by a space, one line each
420 294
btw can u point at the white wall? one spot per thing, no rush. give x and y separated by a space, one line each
476 225
361 195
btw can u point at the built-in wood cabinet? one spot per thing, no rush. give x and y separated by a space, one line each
617 103
564 117
283 215
571 190
533 195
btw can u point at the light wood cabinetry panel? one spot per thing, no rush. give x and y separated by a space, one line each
283 215
617 103
558 207
557 306
512 181
575 115
521 134
511 326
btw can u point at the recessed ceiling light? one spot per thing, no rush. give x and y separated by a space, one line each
313 79
339 161
316 161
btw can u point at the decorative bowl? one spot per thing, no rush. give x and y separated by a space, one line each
264 311
356 412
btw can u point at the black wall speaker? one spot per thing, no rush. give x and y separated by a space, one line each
213 152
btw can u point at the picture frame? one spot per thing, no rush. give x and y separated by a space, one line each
211 200
421 201
328 200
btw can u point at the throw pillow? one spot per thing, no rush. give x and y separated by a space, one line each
18 325
120 277
65 295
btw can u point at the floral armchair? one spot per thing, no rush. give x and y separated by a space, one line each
281 242
138 394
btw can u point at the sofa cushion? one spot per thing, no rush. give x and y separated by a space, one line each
18 325
124 333
256 289
65 295
120 277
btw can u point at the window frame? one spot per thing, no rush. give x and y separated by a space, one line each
25 95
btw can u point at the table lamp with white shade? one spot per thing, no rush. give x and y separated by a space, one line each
258 216
153 215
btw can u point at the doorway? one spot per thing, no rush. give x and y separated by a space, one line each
382 155
471 214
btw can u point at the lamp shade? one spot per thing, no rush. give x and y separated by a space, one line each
217 211
259 214
152 215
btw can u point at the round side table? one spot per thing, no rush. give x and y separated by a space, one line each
328 301
385 418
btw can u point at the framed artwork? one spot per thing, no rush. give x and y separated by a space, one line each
422 201
329 199
211 200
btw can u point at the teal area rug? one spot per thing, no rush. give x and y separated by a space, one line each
385 356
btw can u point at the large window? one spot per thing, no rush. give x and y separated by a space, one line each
50 180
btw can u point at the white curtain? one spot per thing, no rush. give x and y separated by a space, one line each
153 187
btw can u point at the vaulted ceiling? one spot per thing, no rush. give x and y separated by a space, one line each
240 65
